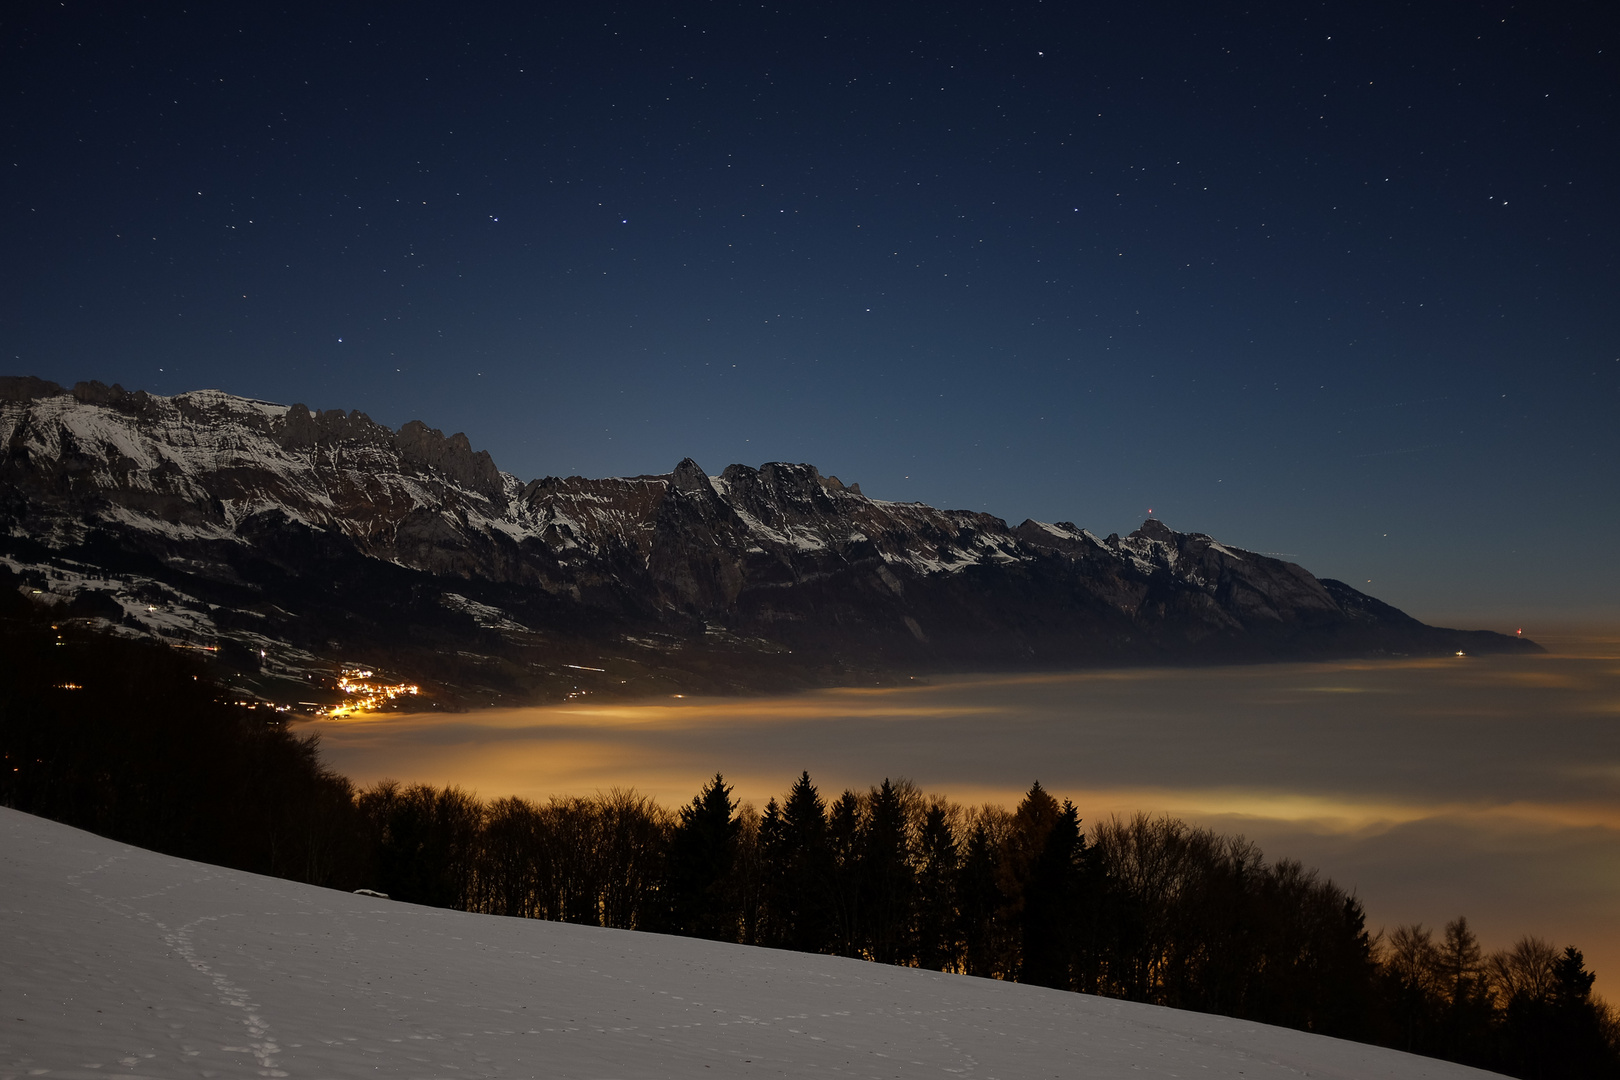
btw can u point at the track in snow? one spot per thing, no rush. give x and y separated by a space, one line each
115 961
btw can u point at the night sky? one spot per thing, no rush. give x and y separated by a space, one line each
1333 281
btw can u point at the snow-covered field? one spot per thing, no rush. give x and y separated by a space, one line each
118 962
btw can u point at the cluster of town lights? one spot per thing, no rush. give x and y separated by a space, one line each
364 694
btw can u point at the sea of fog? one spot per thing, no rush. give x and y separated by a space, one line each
1478 786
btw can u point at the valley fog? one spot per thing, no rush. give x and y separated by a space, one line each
1485 786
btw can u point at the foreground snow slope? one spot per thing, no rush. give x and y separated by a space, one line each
115 961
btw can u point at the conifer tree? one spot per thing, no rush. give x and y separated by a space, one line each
1578 1043
1031 823
1346 978
845 824
1467 1020
770 919
939 919
982 902
1458 962
1052 904
703 851
888 881
800 865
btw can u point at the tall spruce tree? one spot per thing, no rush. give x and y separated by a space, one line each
1581 1048
939 919
888 881
770 928
801 870
1052 904
1031 823
846 902
981 904
702 853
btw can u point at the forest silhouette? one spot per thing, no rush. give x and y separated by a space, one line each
137 742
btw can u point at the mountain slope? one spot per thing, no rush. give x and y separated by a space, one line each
291 540
123 962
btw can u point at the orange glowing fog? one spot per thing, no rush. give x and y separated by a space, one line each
1480 786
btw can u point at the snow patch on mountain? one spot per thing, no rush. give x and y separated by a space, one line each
490 618
239 500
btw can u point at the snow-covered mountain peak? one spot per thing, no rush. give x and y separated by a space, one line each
235 504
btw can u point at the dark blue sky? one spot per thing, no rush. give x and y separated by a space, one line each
1337 281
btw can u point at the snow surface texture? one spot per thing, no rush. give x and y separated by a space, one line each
115 961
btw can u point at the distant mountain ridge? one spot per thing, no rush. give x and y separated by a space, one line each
292 540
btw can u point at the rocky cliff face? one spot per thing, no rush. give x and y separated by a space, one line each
291 540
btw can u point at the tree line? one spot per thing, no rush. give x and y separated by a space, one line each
1148 908
135 742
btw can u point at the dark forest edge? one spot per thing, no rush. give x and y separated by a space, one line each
135 742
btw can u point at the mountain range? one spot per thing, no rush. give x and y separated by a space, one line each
293 545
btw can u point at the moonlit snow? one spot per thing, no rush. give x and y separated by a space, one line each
118 962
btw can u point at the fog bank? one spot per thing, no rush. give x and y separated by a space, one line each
1481 786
